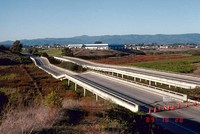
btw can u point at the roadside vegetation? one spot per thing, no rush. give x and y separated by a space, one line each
49 51
12 55
185 65
97 54
55 52
184 52
138 58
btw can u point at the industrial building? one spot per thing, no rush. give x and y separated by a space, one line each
96 46
90 46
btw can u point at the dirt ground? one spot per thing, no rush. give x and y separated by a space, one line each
88 52
197 71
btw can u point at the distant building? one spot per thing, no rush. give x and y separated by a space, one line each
90 46
164 47
116 46
75 45
96 46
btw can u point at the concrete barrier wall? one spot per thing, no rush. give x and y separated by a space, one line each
107 96
151 78
189 100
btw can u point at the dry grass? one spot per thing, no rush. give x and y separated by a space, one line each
70 104
8 76
139 58
27 121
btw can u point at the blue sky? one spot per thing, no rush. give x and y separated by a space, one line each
29 19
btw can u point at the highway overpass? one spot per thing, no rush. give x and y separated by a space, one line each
132 96
170 79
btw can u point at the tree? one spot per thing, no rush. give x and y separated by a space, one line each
98 42
30 50
83 46
16 47
2 47
67 52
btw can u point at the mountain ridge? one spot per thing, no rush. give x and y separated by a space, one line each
116 39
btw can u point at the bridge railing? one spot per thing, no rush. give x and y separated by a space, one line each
177 83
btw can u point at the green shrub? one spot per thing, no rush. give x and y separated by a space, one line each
53 100
72 67
52 60
44 54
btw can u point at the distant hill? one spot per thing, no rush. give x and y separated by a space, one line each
116 39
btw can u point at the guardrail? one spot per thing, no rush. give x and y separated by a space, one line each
142 76
156 90
137 68
104 94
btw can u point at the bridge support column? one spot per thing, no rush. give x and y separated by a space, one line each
149 82
140 79
169 86
134 78
155 83
75 86
68 82
84 92
96 97
122 76
117 75
112 73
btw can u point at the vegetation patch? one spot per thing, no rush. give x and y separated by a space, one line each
176 65
8 76
139 58
72 67
130 122
52 51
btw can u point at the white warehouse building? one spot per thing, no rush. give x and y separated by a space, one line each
96 46
90 46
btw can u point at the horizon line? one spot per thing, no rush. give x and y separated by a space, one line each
92 36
